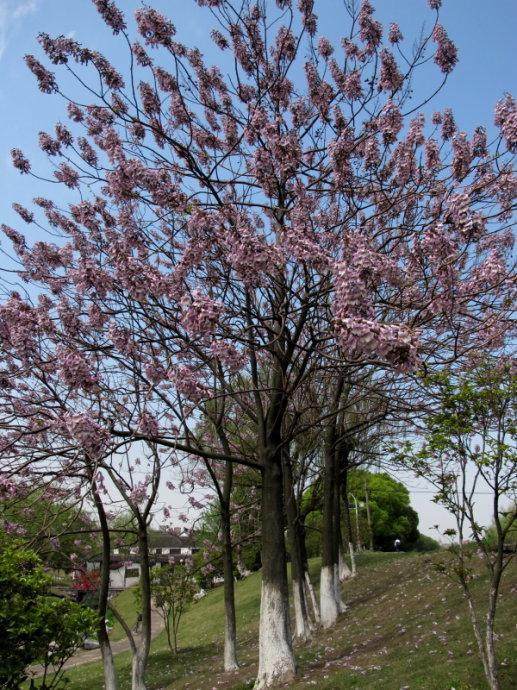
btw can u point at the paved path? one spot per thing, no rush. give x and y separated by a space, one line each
86 656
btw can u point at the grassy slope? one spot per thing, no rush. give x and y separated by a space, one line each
406 628
125 605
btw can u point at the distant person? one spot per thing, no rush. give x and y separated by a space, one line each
138 624
397 544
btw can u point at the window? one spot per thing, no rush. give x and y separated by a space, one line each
158 552
133 572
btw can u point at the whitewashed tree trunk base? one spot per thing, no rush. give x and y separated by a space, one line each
352 558
341 606
138 674
344 571
310 594
329 610
110 676
301 621
276 658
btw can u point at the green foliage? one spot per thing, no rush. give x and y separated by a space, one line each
391 513
426 544
392 516
34 627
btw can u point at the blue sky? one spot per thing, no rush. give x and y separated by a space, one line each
483 31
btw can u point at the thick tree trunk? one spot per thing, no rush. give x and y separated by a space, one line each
310 594
138 672
337 536
301 615
230 627
144 642
276 658
328 602
348 521
110 676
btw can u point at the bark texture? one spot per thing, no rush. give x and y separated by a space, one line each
276 658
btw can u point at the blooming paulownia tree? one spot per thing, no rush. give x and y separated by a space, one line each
235 228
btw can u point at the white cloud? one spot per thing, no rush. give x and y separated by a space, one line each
12 12
24 8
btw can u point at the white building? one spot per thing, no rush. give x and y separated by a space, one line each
125 562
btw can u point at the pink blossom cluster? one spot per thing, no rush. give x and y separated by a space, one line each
148 424
200 313
154 27
20 162
86 432
24 213
188 382
446 55
111 14
370 29
506 118
228 355
390 121
138 493
75 369
395 34
321 93
462 156
67 175
394 343
46 80
391 79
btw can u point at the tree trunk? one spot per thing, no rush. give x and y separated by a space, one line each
352 558
337 536
276 659
110 676
368 516
348 520
301 615
230 626
311 594
330 599
491 659
144 642
329 605
344 571
138 671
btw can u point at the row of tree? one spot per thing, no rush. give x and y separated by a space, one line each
251 264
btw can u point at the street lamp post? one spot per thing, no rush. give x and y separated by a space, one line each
358 535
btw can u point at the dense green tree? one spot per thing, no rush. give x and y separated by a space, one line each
391 515
34 626
387 501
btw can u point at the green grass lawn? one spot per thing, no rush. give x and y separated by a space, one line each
125 605
406 627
